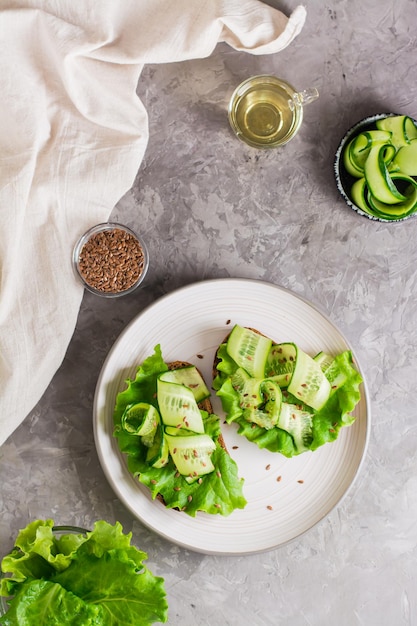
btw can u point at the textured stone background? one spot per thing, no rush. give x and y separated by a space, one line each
209 206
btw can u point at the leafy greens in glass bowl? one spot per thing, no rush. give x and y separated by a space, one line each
65 575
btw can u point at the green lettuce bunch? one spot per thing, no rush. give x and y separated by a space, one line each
92 579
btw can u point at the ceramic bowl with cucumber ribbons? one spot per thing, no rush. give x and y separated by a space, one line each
376 167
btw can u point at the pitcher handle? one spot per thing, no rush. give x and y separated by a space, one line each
304 97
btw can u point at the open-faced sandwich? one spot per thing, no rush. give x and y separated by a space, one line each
283 399
165 424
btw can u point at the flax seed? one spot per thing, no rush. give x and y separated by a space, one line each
111 260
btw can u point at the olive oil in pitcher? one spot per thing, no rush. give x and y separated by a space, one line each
265 111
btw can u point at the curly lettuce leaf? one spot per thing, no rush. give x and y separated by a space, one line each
217 493
230 400
46 602
336 413
225 366
327 422
142 386
274 439
38 553
125 593
104 583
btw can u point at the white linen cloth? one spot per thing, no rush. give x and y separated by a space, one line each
72 136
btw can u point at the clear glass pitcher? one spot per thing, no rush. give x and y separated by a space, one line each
266 111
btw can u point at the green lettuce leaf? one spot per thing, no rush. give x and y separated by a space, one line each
45 602
38 553
225 366
105 581
113 582
217 493
230 401
336 413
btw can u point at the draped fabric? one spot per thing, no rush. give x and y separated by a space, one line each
73 133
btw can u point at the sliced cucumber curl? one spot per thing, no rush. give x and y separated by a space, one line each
384 162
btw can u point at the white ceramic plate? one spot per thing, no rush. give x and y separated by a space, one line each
286 497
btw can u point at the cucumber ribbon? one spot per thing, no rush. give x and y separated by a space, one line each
140 419
384 162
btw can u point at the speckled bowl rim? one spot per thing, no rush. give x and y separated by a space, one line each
355 129
101 228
